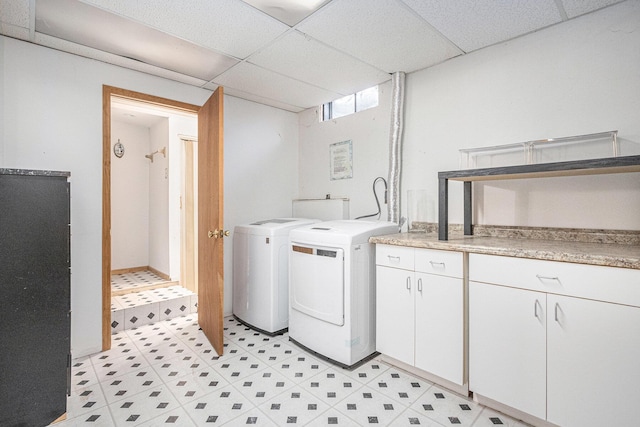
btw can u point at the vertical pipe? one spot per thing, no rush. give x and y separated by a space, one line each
395 146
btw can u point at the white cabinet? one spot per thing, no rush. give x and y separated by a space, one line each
507 346
420 309
395 331
537 345
439 314
593 365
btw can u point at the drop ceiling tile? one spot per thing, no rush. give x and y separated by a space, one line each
229 26
473 24
96 28
109 58
15 12
579 7
252 79
288 11
305 59
14 31
261 100
383 33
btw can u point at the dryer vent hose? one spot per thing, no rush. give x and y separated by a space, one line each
395 147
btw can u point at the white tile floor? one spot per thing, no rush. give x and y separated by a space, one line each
142 307
167 373
134 281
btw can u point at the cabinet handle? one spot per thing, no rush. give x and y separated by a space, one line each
540 277
535 308
435 263
409 283
556 312
419 285
393 258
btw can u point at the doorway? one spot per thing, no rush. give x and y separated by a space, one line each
188 183
148 168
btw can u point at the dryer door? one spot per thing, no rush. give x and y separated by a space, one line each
316 282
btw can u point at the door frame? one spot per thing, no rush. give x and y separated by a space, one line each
107 93
189 214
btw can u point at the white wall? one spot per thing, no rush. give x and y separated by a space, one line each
179 125
159 198
260 169
369 132
129 197
576 78
52 104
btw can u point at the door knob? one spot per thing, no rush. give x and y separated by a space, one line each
218 233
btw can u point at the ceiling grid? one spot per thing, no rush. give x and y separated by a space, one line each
285 53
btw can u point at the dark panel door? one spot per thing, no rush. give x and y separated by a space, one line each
34 298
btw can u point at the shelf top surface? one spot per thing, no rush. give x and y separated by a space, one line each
606 165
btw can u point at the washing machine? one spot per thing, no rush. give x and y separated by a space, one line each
332 288
261 273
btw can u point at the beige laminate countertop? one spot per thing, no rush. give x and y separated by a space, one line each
611 255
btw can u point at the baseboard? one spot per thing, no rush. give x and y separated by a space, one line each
159 273
512 412
449 385
142 268
62 417
143 288
130 270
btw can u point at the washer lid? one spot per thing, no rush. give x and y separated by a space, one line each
274 226
273 221
342 231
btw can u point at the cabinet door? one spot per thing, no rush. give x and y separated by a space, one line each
507 346
395 313
34 298
439 310
593 362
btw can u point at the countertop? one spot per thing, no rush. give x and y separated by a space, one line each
33 172
604 254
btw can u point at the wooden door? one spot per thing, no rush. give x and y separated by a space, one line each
210 219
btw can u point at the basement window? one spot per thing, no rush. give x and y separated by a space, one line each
350 104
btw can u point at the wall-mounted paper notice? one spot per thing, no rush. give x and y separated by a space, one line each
341 158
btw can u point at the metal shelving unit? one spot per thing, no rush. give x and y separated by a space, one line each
609 165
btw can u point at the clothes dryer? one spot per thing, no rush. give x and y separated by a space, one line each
332 288
261 273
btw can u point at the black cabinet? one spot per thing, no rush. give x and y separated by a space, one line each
34 296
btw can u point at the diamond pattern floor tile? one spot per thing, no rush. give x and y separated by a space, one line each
301 367
447 408
264 385
296 406
136 305
399 386
167 374
219 407
143 407
370 407
332 385
239 367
